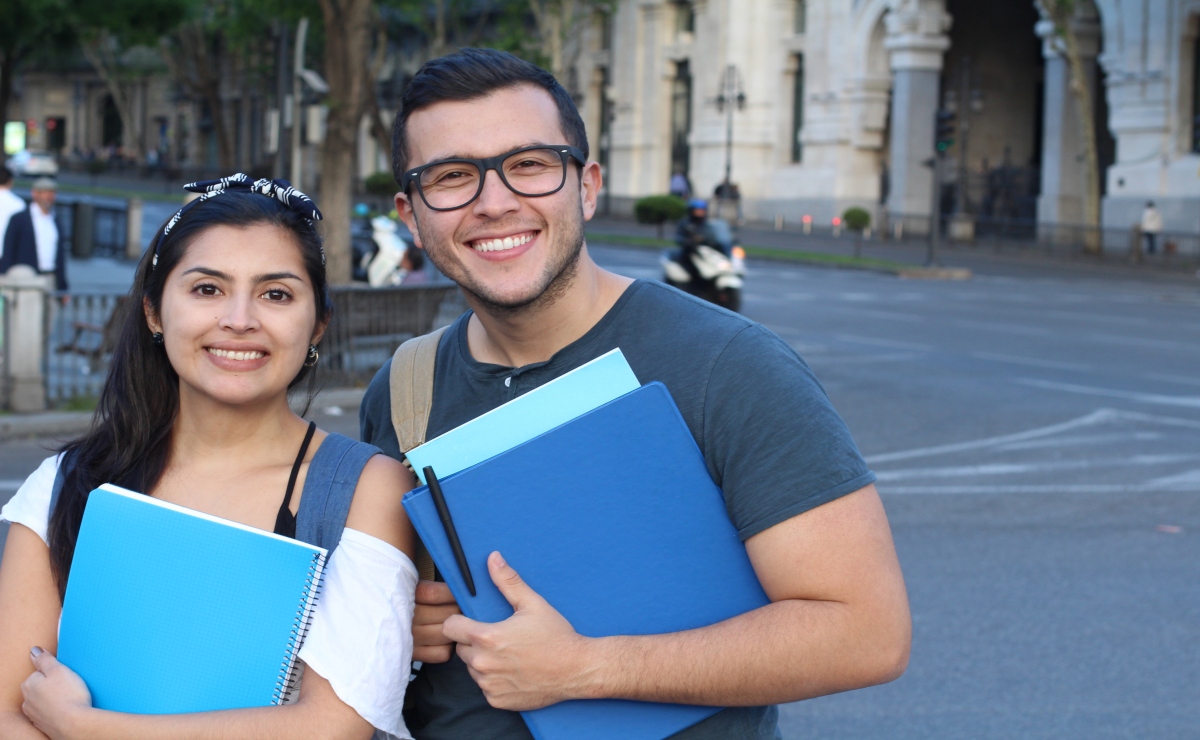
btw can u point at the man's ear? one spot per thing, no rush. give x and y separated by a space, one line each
151 316
404 209
590 180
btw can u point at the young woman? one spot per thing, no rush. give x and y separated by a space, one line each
226 312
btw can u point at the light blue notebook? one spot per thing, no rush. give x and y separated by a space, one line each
168 610
585 388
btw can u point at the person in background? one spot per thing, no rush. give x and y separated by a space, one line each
10 203
680 186
32 236
1152 225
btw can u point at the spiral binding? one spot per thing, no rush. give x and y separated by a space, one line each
288 678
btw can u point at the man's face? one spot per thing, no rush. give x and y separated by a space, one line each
546 231
44 198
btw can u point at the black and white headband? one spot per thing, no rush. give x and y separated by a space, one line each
280 190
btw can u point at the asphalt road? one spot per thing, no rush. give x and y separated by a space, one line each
1037 442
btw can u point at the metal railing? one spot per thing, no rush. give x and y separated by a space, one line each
368 324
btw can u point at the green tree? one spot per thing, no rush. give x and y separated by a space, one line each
561 25
117 38
1063 14
28 26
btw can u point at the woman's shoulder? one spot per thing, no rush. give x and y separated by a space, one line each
30 505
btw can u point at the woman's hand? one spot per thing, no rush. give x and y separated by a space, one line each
56 698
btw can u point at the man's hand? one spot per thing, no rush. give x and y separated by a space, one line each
434 604
55 697
530 660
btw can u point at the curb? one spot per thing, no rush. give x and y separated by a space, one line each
935 273
67 424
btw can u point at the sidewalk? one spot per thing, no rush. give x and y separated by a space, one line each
981 260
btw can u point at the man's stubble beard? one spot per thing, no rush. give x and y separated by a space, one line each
555 281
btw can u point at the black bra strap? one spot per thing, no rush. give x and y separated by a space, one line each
287 497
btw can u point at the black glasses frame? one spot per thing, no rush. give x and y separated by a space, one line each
493 163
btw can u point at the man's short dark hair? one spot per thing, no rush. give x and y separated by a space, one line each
6 175
475 73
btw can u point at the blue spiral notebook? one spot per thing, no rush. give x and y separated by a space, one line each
613 518
169 610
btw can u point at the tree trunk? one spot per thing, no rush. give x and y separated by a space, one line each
94 49
7 70
346 48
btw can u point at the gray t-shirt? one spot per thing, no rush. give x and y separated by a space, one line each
769 434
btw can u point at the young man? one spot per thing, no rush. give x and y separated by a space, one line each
509 231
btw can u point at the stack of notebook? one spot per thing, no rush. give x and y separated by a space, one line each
593 489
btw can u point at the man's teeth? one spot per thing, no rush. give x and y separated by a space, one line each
235 355
499 245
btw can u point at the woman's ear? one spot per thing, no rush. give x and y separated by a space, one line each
151 316
319 332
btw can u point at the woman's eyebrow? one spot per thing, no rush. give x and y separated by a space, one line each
208 271
277 276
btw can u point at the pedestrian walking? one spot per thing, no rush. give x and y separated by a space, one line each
680 187
10 202
32 236
795 485
229 304
1152 226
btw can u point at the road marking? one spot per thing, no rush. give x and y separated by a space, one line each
885 342
892 315
1152 343
964 471
1191 477
1173 379
1096 417
1082 488
1053 365
1190 402
993 326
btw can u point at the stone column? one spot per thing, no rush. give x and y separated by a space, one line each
916 43
1064 174
24 295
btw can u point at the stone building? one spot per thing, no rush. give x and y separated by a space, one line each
840 99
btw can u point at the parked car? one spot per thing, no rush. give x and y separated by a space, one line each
27 163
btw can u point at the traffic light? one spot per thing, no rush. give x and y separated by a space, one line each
947 126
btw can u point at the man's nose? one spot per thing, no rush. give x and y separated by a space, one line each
495 199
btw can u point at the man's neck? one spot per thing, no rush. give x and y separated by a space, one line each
536 334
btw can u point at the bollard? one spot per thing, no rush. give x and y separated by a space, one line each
24 293
133 229
84 236
779 222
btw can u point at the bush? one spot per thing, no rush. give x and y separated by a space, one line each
856 219
381 184
659 209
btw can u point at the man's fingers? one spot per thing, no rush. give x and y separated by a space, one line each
460 629
430 634
433 653
434 593
511 585
424 614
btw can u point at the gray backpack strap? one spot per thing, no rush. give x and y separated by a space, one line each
411 388
329 489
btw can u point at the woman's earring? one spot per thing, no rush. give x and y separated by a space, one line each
157 337
313 355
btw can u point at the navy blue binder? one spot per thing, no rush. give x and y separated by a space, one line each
613 518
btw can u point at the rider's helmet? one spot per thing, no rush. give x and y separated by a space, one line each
698 208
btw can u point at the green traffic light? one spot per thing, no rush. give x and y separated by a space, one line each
944 145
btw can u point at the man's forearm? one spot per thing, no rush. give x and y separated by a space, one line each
786 651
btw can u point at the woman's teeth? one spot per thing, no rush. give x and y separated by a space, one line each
234 355
499 245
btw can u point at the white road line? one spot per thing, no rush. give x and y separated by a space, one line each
1096 417
966 471
1190 402
1006 328
1051 488
1191 477
1032 362
1174 379
885 342
1151 343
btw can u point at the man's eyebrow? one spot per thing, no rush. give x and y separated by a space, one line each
468 156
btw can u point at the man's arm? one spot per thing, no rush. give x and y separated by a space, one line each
838 620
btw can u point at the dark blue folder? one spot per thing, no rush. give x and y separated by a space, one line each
612 517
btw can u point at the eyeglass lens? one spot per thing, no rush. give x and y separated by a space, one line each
532 172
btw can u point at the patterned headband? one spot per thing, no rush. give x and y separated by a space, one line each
281 190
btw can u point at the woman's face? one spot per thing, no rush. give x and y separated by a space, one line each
238 313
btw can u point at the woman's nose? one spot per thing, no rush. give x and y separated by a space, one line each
239 315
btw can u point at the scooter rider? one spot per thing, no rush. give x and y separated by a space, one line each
692 232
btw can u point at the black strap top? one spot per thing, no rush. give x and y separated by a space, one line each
285 520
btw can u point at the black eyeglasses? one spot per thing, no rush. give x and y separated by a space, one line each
532 171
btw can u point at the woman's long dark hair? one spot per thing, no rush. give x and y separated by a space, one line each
130 434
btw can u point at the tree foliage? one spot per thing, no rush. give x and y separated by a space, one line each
28 26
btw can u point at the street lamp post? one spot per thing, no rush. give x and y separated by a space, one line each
730 96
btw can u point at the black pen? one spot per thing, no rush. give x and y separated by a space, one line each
439 500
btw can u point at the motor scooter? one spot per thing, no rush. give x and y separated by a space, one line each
718 268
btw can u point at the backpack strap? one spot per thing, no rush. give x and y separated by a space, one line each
411 388
329 489
65 464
